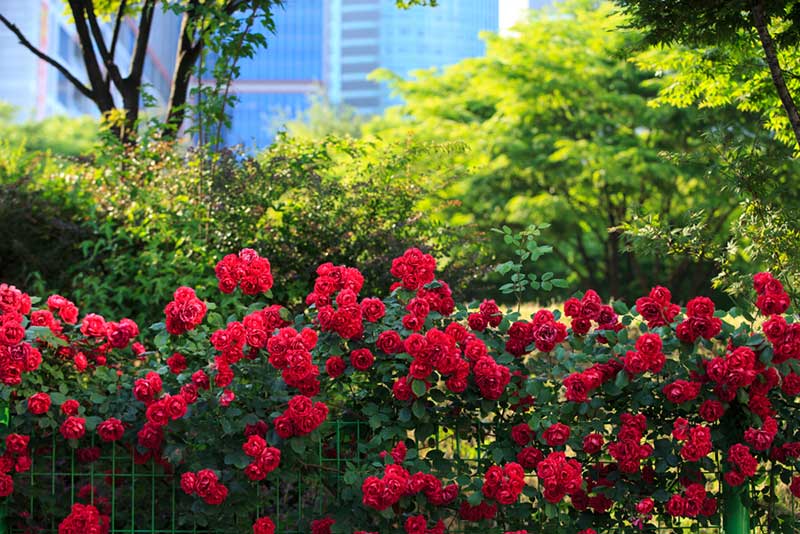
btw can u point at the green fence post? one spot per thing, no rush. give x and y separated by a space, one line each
4 415
735 515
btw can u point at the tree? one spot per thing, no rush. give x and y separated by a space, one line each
719 22
231 29
562 129
720 54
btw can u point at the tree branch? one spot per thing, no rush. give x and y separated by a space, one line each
85 91
112 71
140 52
188 52
117 26
103 98
761 23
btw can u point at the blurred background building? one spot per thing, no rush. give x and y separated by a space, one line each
323 48
38 90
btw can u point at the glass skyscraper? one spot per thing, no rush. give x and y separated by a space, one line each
367 34
328 48
279 81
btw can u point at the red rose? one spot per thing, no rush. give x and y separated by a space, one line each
529 457
645 506
372 309
111 429
177 363
592 443
17 443
522 434
188 482
39 403
556 434
390 342
70 407
150 436
416 525
73 428
6 485
322 526
676 506
264 525
711 410
335 366
477 322
361 359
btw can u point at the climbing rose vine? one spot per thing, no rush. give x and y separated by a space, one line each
406 412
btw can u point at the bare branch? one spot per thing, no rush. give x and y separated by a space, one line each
112 71
142 40
102 97
761 23
85 91
117 26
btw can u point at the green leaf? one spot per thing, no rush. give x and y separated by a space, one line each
418 409
418 387
622 379
298 445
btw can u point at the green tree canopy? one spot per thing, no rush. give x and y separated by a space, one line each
562 128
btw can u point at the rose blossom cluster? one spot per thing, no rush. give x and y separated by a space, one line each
301 417
581 384
206 485
438 351
265 458
761 438
346 319
772 297
693 501
84 519
246 270
16 355
628 449
656 308
743 464
737 369
699 322
543 331
488 314
785 339
504 484
479 512
16 458
418 524
588 309
290 352
559 476
696 440
185 312
529 457
414 269
648 355
397 482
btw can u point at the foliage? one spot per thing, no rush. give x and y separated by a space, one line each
322 119
61 135
137 221
761 175
621 422
561 128
528 251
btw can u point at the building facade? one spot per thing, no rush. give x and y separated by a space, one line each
38 90
280 80
328 48
371 34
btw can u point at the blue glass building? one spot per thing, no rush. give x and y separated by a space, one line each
329 47
367 34
280 79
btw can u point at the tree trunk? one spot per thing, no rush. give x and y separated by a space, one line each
761 23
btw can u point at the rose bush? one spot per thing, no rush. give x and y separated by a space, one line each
409 413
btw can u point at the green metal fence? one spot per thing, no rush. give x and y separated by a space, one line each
146 498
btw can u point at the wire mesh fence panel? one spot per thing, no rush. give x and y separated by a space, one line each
144 496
